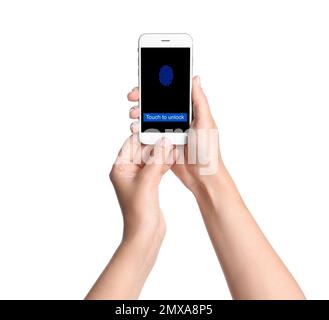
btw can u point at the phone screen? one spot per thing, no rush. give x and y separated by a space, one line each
165 89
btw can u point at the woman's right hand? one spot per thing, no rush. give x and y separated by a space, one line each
200 161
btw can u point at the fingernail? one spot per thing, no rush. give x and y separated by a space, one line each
132 108
132 125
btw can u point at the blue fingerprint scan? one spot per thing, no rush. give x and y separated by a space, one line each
166 75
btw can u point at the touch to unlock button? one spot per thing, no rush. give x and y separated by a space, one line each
165 117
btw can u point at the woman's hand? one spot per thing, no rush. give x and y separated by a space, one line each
136 175
200 160
252 268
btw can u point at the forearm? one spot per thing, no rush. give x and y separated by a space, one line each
126 273
252 268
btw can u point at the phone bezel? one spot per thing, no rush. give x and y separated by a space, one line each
164 40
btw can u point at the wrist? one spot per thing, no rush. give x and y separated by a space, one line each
215 193
206 187
146 233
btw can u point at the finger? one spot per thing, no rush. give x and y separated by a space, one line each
134 112
146 153
173 156
201 110
128 150
160 162
133 95
134 127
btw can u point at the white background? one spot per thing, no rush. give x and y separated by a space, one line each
65 69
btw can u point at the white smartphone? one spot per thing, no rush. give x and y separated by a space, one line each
165 80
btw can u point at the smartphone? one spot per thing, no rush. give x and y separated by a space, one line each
165 80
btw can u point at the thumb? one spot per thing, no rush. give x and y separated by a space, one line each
201 110
160 161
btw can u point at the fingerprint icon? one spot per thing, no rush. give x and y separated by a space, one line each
166 75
